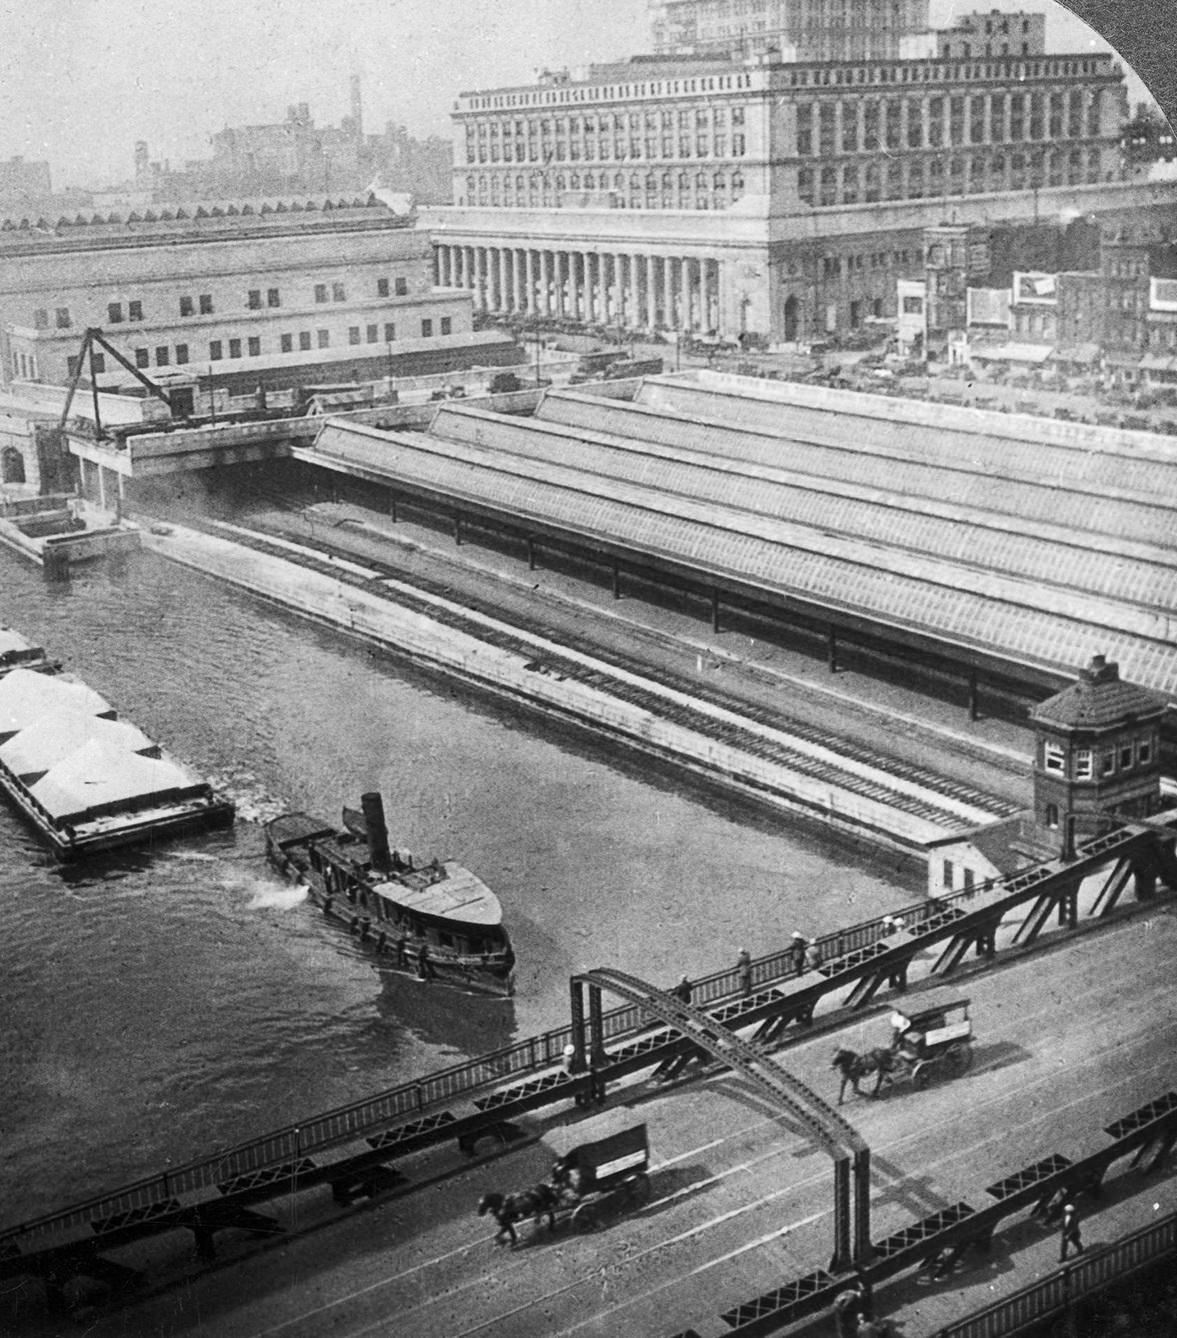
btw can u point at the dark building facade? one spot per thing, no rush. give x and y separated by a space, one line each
1097 755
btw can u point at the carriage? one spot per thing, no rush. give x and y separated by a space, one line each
935 1042
601 1168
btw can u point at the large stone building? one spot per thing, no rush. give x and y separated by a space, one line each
796 29
758 196
232 290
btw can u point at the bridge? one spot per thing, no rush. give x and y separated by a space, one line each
372 1146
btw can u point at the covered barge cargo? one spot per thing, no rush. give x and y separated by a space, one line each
87 781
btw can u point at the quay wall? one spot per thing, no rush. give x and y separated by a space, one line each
377 618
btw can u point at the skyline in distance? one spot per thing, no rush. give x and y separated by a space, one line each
82 80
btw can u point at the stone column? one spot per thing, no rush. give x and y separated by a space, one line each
504 302
517 279
684 301
545 283
529 281
668 321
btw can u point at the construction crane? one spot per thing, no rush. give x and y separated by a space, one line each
95 337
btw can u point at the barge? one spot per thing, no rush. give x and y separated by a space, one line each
434 920
86 781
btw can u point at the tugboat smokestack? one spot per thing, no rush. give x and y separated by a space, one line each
378 852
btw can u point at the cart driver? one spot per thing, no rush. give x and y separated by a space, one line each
565 1180
900 1027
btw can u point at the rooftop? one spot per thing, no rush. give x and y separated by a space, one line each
1098 699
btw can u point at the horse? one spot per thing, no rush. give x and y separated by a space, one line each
507 1209
853 1067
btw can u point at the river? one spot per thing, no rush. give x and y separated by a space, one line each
157 1006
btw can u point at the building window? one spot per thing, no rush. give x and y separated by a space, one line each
273 297
1107 764
162 356
142 358
1125 757
447 325
1053 758
338 294
402 287
1050 817
381 287
324 338
134 311
970 880
114 312
216 351
304 340
1144 752
234 348
181 354
373 334
426 329
320 292
389 332
255 346
1083 764
187 307
254 301
41 319
64 321
287 343
946 877
206 304
353 334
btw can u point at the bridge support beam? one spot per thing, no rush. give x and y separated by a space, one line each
863 1250
576 1011
842 1260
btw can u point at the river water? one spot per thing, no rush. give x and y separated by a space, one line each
158 1006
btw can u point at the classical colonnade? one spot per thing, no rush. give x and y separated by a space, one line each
638 291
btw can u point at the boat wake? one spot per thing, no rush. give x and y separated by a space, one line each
254 803
266 896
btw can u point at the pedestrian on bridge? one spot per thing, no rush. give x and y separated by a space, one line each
744 969
797 952
848 1306
813 957
682 991
1069 1232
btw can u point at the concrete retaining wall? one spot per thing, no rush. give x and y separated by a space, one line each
507 673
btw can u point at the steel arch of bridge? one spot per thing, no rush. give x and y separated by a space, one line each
851 1156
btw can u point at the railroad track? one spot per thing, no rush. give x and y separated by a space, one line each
435 599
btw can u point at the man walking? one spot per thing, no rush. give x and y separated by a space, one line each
1069 1232
848 1305
744 968
797 952
682 991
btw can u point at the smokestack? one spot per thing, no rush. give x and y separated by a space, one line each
357 107
378 852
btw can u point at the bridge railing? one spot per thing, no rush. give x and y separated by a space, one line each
1089 1274
460 1081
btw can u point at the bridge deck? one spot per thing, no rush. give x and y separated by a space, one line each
1065 1044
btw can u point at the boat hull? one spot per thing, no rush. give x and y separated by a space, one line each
347 896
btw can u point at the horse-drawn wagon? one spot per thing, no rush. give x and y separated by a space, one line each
601 1168
935 1042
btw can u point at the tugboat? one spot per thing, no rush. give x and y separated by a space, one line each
435 920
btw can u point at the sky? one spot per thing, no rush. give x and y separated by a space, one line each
82 80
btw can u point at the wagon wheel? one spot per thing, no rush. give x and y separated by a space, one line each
638 1189
586 1217
921 1075
958 1058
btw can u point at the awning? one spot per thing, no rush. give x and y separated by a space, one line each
1122 360
1029 353
1154 362
1087 353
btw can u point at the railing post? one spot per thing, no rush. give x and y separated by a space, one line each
576 1011
841 1262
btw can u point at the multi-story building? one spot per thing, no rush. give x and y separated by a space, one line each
239 288
999 32
796 29
758 196
19 177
